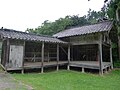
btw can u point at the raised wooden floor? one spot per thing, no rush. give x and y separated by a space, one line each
45 64
82 64
89 64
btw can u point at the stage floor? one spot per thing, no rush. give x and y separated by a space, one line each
89 64
83 64
45 64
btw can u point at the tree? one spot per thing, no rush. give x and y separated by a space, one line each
113 12
50 28
94 16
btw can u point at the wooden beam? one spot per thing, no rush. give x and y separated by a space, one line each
119 46
68 67
64 50
48 56
7 52
57 57
105 44
85 43
3 53
42 66
100 59
111 59
23 58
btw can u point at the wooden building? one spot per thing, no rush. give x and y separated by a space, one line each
20 50
84 47
90 46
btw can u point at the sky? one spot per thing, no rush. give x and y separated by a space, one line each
22 14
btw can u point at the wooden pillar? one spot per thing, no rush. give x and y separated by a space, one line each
42 54
48 54
68 67
57 57
7 53
100 59
4 53
111 60
23 58
119 46
109 68
83 70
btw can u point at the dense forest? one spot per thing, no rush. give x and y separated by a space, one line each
110 11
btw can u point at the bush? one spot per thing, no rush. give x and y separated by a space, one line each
116 64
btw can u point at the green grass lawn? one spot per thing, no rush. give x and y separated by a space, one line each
71 80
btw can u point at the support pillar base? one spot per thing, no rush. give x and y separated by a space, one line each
42 70
101 72
22 71
57 67
83 70
68 67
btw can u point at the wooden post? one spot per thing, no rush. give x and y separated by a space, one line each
48 54
68 67
57 57
42 66
105 70
109 68
83 70
119 46
100 59
23 58
4 54
111 60
7 53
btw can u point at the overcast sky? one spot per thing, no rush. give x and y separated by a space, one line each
23 14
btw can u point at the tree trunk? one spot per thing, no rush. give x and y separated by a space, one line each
118 29
119 46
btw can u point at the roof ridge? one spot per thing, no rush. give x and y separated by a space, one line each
91 24
84 26
84 29
13 34
11 30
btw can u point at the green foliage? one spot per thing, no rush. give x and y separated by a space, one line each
116 64
112 6
115 52
71 80
93 16
50 28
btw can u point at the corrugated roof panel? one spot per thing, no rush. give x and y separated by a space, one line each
7 33
100 27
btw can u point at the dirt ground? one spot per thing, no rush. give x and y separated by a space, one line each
7 82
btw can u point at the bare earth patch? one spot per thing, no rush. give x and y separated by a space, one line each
7 82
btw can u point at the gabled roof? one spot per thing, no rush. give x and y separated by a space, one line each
12 34
99 27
